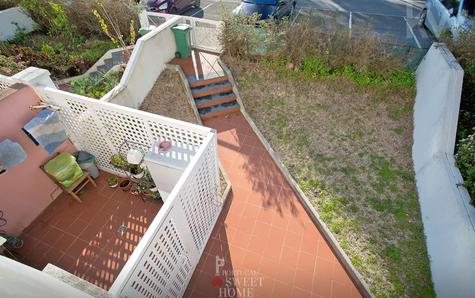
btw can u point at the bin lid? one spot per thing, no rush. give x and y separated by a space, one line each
181 27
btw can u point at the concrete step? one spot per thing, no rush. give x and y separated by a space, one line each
211 89
198 83
102 69
117 56
108 63
214 100
220 110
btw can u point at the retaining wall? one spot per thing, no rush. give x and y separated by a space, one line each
446 213
11 20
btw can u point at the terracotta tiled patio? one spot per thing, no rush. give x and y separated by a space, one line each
263 236
83 238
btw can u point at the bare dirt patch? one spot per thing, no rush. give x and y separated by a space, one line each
350 151
168 98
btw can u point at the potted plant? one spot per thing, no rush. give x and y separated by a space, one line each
125 185
136 171
119 162
113 182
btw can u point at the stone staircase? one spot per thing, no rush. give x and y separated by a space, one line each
116 58
213 97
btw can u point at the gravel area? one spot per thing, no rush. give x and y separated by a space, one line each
168 98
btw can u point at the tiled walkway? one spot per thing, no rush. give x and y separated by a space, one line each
264 236
83 238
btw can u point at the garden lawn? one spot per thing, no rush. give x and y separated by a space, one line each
349 149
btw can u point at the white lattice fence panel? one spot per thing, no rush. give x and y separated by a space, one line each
101 127
207 36
164 260
163 270
200 198
5 82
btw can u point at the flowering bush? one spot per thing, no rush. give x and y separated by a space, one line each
465 158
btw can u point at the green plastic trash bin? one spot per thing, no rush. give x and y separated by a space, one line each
182 40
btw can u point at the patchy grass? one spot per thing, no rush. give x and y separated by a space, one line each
168 98
349 148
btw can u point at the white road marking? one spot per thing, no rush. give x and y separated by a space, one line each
204 8
295 18
350 21
412 32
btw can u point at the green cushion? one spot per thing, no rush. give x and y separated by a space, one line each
64 169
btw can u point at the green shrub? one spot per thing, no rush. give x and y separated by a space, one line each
4 4
463 49
50 15
121 11
95 87
465 158
365 59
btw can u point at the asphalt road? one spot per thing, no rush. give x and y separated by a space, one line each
395 19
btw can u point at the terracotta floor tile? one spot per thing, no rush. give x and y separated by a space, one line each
340 290
300 293
324 251
306 262
304 279
65 242
252 260
77 227
281 290
293 240
322 286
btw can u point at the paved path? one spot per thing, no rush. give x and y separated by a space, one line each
263 236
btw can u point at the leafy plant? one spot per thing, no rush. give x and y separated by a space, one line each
113 181
118 161
95 87
465 159
50 15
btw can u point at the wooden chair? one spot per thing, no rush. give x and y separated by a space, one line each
76 187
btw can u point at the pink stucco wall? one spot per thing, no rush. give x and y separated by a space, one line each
25 191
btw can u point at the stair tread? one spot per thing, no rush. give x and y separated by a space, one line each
213 97
210 86
218 108
194 82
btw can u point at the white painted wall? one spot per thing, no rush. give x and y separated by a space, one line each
148 60
11 16
18 280
447 216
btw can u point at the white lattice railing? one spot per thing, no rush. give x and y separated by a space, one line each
101 127
164 260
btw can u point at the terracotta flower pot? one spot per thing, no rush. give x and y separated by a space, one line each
125 185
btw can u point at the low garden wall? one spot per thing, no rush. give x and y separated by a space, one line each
148 60
13 19
448 217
